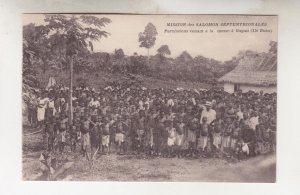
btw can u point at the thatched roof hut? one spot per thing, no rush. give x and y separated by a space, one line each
257 72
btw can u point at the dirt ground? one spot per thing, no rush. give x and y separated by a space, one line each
115 167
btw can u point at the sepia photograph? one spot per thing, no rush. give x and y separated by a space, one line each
148 98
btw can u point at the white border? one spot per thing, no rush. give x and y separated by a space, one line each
288 164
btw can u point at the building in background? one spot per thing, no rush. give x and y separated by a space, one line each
255 72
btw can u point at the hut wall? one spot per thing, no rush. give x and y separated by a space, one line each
229 87
265 89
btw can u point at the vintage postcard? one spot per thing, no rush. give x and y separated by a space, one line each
126 97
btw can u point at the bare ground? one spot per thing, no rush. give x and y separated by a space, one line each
115 167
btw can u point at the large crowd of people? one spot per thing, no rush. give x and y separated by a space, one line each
156 122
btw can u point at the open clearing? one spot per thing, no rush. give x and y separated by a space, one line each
115 167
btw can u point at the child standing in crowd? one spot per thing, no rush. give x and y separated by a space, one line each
158 133
85 136
120 135
133 134
105 135
32 111
226 138
41 108
63 126
73 135
149 131
171 137
180 131
126 129
141 130
95 133
112 130
218 127
236 134
204 132
195 129
192 128
50 133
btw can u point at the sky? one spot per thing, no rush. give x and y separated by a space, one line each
222 46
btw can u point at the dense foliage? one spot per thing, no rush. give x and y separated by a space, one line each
63 36
51 45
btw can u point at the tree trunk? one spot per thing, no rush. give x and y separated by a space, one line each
71 92
60 59
44 66
147 61
148 57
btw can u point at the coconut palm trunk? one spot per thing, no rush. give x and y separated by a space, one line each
71 92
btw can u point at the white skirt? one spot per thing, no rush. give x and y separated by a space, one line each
203 142
119 138
171 141
191 136
217 139
86 140
179 140
105 140
233 143
226 141
41 114
62 136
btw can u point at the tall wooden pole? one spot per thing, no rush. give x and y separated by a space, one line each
71 92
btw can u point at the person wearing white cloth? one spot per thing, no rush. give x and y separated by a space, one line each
209 113
170 102
217 131
171 137
119 137
94 103
240 114
180 131
204 133
253 121
42 104
141 105
51 107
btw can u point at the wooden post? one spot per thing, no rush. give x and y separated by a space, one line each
71 92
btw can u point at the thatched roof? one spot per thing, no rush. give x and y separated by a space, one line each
258 69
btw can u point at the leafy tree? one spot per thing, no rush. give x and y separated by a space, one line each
272 64
273 47
201 61
37 41
148 37
119 53
58 49
101 60
137 64
83 62
34 49
119 61
30 83
74 34
164 50
28 53
184 60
